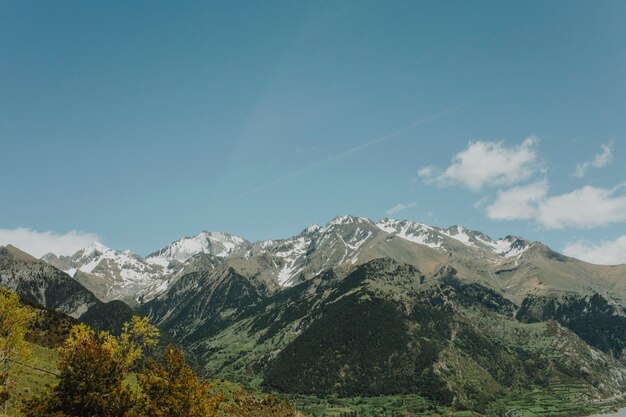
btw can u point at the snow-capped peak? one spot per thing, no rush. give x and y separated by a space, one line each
348 219
345 240
311 229
436 238
213 243
95 247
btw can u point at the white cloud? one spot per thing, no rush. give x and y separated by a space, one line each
490 164
584 208
400 207
609 252
601 160
518 202
40 243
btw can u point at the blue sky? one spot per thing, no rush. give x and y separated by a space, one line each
140 122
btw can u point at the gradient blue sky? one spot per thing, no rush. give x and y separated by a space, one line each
141 122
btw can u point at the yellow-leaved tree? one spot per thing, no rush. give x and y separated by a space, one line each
170 389
93 367
14 350
93 370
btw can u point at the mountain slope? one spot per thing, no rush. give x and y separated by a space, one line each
384 328
212 298
41 284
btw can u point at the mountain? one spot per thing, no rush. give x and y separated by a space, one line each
50 328
385 328
111 274
212 243
41 284
357 308
126 276
361 308
116 275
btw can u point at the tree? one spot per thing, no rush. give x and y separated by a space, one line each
171 389
14 322
93 366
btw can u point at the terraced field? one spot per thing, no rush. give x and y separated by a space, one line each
559 400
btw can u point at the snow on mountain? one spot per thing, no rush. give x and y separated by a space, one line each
436 238
316 248
458 233
347 219
291 256
507 247
412 231
345 240
212 243
113 274
110 274
131 265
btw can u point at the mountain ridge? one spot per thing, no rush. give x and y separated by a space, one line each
113 274
344 240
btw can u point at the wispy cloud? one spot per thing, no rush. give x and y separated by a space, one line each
400 207
480 202
600 161
487 164
349 152
39 243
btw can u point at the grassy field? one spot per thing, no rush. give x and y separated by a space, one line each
27 381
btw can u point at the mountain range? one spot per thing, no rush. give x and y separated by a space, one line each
363 308
112 274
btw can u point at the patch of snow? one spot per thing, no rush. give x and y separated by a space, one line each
507 248
88 267
291 252
460 235
355 242
158 260
286 274
413 232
